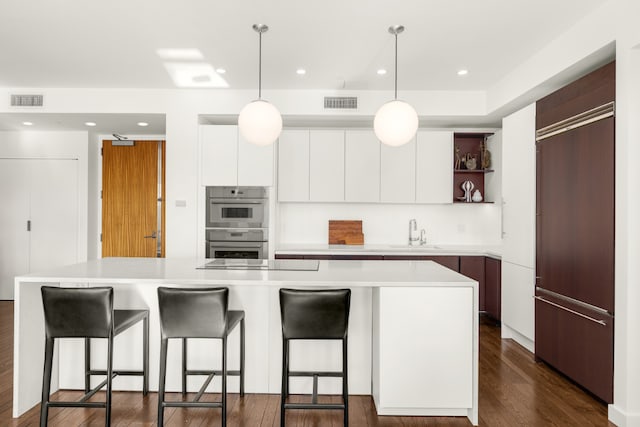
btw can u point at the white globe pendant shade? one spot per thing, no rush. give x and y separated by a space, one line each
396 123
260 122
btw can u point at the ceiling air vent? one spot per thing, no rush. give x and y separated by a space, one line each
341 102
27 100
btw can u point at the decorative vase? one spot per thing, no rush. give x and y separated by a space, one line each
477 197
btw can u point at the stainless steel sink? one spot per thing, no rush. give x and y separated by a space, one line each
417 248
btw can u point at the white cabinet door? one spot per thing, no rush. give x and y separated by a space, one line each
434 167
518 285
219 155
326 166
255 164
398 173
519 186
362 166
293 166
14 237
54 214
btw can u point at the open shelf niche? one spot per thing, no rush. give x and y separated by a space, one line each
469 145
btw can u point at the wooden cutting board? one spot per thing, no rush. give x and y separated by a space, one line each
345 232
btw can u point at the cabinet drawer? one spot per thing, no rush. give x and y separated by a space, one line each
577 346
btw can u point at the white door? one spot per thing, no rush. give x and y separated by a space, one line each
41 196
54 214
14 237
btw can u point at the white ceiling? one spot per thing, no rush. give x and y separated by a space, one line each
106 124
341 43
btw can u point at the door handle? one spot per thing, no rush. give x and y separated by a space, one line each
153 236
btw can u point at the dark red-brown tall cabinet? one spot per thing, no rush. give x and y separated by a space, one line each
575 196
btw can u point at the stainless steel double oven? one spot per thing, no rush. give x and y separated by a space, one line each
237 222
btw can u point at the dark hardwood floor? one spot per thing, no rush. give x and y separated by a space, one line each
514 391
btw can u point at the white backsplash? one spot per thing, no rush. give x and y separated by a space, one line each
456 224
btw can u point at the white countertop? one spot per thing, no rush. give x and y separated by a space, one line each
183 271
493 251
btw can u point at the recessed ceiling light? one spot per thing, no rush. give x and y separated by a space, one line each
27 123
90 124
143 124
301 71
220 70
463 72
381 72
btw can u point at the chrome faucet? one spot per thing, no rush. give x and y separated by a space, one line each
423 237
413 232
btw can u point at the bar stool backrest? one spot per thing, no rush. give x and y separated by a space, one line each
193 313
78 312
315 314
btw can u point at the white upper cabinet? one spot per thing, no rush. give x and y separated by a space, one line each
434 170
255 164
219 155
362 166
398 173
226 159
519 186
326 165
293 166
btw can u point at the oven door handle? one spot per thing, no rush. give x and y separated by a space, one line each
235 245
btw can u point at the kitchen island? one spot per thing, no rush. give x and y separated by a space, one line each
413 331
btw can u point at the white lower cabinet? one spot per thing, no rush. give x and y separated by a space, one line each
226 159
434 167
362 166
422 363
518 286
39 218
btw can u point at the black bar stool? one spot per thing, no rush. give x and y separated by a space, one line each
314 315
197 313
88 313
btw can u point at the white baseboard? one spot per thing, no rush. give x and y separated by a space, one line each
622 419
507 332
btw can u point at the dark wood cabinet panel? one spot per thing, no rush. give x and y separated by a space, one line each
473 267
287 256
449 261
593 90
580 348
575 221
493 287
350 257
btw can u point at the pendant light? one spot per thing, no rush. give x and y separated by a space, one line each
396 122
259 121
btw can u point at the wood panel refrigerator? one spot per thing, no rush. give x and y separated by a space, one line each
574 299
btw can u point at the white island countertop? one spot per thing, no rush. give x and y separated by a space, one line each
413 330
492 251
185 271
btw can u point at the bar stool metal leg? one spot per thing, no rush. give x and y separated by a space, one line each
345 385
184 366
107 418
161 380
145 356
87 365
46 381
242 350
224 381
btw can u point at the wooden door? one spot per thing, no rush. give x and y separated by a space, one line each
130 199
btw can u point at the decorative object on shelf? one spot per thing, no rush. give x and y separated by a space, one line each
259 121
470 162
477 196
467 187
396 122
485 154
456 165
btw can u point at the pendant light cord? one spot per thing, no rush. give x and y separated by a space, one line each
260 66
396 70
